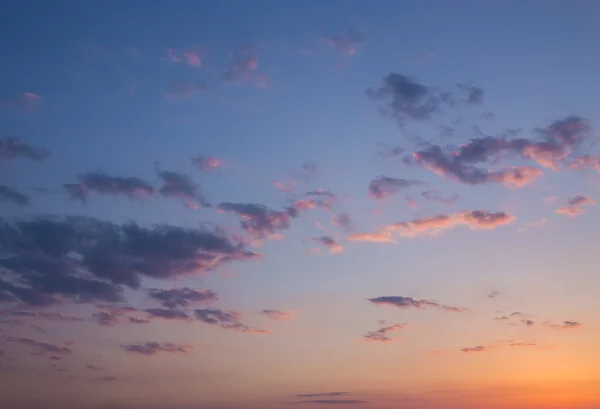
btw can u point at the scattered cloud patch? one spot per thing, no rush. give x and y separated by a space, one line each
385 186
348 42
575 205
131 187
154 348
224 319
381 335
206 163
43 348
408 302
180 186
10 195
183 297
259 220
14 148
329 242
278 315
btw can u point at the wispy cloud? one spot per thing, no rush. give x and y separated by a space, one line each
14 148
348 42
316 395
575 205
566 325
434 195
206 163
243 66
380 335
154 348
385 186
41 347
183 297
26 101
10 195
131 187
190 56
329 242
408 302
179 186
225 319
278 315
259 220
378 237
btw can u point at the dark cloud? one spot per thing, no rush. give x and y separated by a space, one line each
493 294
153 348
348 42
479 348
380 335
224 319
10 195
529 323
330 243
41 347
110 315
48 260
407 302
434 195
384 186
168 314
406 99
472 95
258 220
183 297
564 325
94 368
135 320
13 148
316 395
131 187
180 186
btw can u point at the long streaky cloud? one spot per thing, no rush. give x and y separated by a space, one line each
408 302
575 205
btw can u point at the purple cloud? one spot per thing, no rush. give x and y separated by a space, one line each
183 297
407 302
42 347
13 148
385 186
259 220
153 348
131 187
380 335
224 319
10 195
180 186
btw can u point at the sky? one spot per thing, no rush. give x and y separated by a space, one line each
219 205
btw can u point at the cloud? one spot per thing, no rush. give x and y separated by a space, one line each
331 243
380 335
180 186
474 219
574 205
565 325
48 260
224 319
13 148
434 195
179 89
168 314
479 348
552 146
50 316
94 368
586 161
108 379
378 237
406 99
316 395
135 320
42 347
408 302
10 195
131 187
206 163
259 220
26 101
190 56
348 42
277 315
153 348
384 186
472 95
493 294
110 315
343 220
183 297
243 65
529 323
330 401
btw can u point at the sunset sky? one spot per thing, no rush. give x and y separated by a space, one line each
258 204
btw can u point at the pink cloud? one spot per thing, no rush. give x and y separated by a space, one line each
24 102
348 42
518 176
378 237
328 241
206 163
586 161
190 56
574 205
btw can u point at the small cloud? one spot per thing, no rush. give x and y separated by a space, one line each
43 348
378 237
348 42
408 302
26 101
14 148
191 56
243 66
130 187
316 395
380 335
94 368
206 163
259 220
277 315
493 294
479 348
180 186
153 348
330 402
343 220
384 186
565 325
434 195
574 205
224 319
331 243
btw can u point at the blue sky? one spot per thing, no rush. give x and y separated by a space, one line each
497 193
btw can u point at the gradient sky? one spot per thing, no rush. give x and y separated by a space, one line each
257 204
